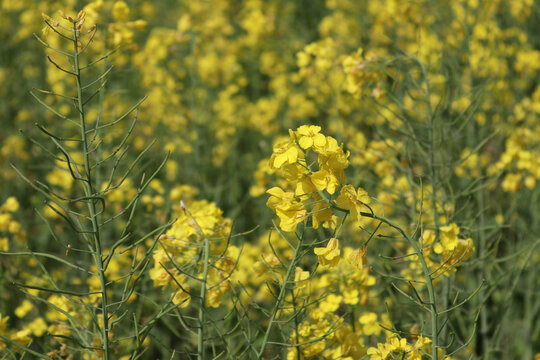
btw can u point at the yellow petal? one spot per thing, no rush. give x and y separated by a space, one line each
305 142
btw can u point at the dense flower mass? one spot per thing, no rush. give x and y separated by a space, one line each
313 168
180 247
276 179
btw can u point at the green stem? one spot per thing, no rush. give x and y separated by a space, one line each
89 192
296 324
280 298
425 270
428 280
434 200
431 135
484 329
202 307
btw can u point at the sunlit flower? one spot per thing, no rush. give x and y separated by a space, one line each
329 255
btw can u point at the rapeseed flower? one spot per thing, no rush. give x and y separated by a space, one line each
329 255
353 200
290 211
284 153
309 135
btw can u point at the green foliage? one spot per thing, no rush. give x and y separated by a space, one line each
269 179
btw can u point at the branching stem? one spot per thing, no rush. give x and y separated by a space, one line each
89 192
202 307
281 296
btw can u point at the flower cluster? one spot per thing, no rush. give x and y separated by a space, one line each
437 103
20 337
8 225
396 348
361 71
326 334
177 258
444 254
313 166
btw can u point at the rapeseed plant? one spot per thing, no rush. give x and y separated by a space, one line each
345 180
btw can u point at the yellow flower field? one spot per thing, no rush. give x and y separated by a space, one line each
249 179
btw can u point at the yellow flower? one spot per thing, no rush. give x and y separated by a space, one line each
309 136
290 211
370 326
300 277
184 24
397 345
358 258
38 327
353 200
63 305
331 303
5 219
329 148
284 153
324 180
182 298
448 239
322 213
14 227
305 186
333 159
302 59
4 244
158 274
10 205
379 353
21 337
511 182
329 255
428 236
530 182
351 296
452 258
23 309
421 342
120 11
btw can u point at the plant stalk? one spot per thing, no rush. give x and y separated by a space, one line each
280 298
89 193
202 307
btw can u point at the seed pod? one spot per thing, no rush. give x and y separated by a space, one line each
80 24
92 28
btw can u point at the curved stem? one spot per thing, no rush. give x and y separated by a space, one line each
89 192
280 298
434 182
428 279
202 307
425 270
